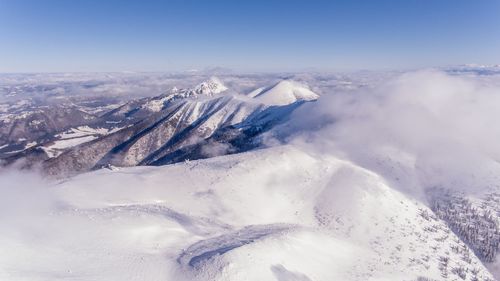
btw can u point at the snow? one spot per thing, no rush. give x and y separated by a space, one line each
156 105
343 201
70 142
30 144
57 147
271 214
285 92
211 87
74 137
255 92
82 131
35 122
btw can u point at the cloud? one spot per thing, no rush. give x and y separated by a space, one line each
23 194
43 237
419 130
212 149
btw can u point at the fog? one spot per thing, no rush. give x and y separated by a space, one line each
44 237
24 199
419 130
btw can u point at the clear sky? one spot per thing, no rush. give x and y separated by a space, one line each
267 35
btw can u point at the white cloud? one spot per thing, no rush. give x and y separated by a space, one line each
419 130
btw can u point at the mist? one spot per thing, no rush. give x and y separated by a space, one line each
419 130
45 237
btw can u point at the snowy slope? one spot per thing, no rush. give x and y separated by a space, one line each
271 214
387 182
285 92
74 137
212 86
186 124
142 107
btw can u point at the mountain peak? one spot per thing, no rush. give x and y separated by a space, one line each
286 92
210 87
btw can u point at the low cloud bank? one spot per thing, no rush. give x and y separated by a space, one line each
23 195
419 130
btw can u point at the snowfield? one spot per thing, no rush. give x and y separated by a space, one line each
284 92
271 214
74 137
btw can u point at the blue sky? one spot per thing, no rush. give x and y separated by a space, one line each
257 35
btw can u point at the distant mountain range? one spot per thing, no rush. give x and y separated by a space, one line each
204 121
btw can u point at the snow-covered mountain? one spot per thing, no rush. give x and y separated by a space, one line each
374 180
146 106
181 124
284 92
210 87
19 131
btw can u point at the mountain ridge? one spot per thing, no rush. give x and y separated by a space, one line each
176 126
